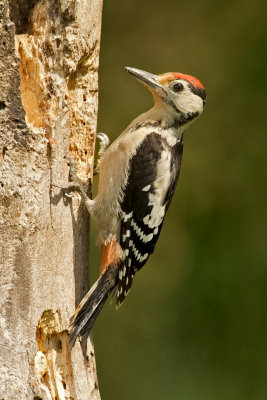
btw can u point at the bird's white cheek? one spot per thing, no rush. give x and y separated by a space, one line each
191 103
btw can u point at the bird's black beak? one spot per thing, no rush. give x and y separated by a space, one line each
145 77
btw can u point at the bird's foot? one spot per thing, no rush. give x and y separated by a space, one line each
73 185
104 143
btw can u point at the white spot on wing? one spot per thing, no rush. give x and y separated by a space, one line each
146 188
125 216
126 252
127 234
142 236
161 185
139 256
154 219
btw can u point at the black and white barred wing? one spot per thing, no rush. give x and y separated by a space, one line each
153 174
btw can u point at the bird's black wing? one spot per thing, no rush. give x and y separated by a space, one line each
153 174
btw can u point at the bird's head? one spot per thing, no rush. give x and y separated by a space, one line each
184 95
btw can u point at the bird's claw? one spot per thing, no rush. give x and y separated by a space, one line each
73 185
104 143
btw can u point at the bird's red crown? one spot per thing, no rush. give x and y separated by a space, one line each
169 76
194 81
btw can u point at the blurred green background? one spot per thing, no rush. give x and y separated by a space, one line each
195 323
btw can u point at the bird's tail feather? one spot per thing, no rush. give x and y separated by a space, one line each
92 303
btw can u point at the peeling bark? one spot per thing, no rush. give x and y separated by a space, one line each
48 106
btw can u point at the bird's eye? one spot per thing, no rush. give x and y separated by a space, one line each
177 87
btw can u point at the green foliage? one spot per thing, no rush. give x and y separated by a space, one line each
194 326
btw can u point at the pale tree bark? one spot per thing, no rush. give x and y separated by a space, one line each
48 107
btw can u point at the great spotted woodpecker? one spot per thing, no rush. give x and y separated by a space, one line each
138 176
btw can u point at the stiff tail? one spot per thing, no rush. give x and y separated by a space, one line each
91 305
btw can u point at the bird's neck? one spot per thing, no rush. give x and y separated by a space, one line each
160 119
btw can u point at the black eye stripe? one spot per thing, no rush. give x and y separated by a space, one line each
199 92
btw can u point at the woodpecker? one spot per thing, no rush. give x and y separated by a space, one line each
137 178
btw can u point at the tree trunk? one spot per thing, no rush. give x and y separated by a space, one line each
48 109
